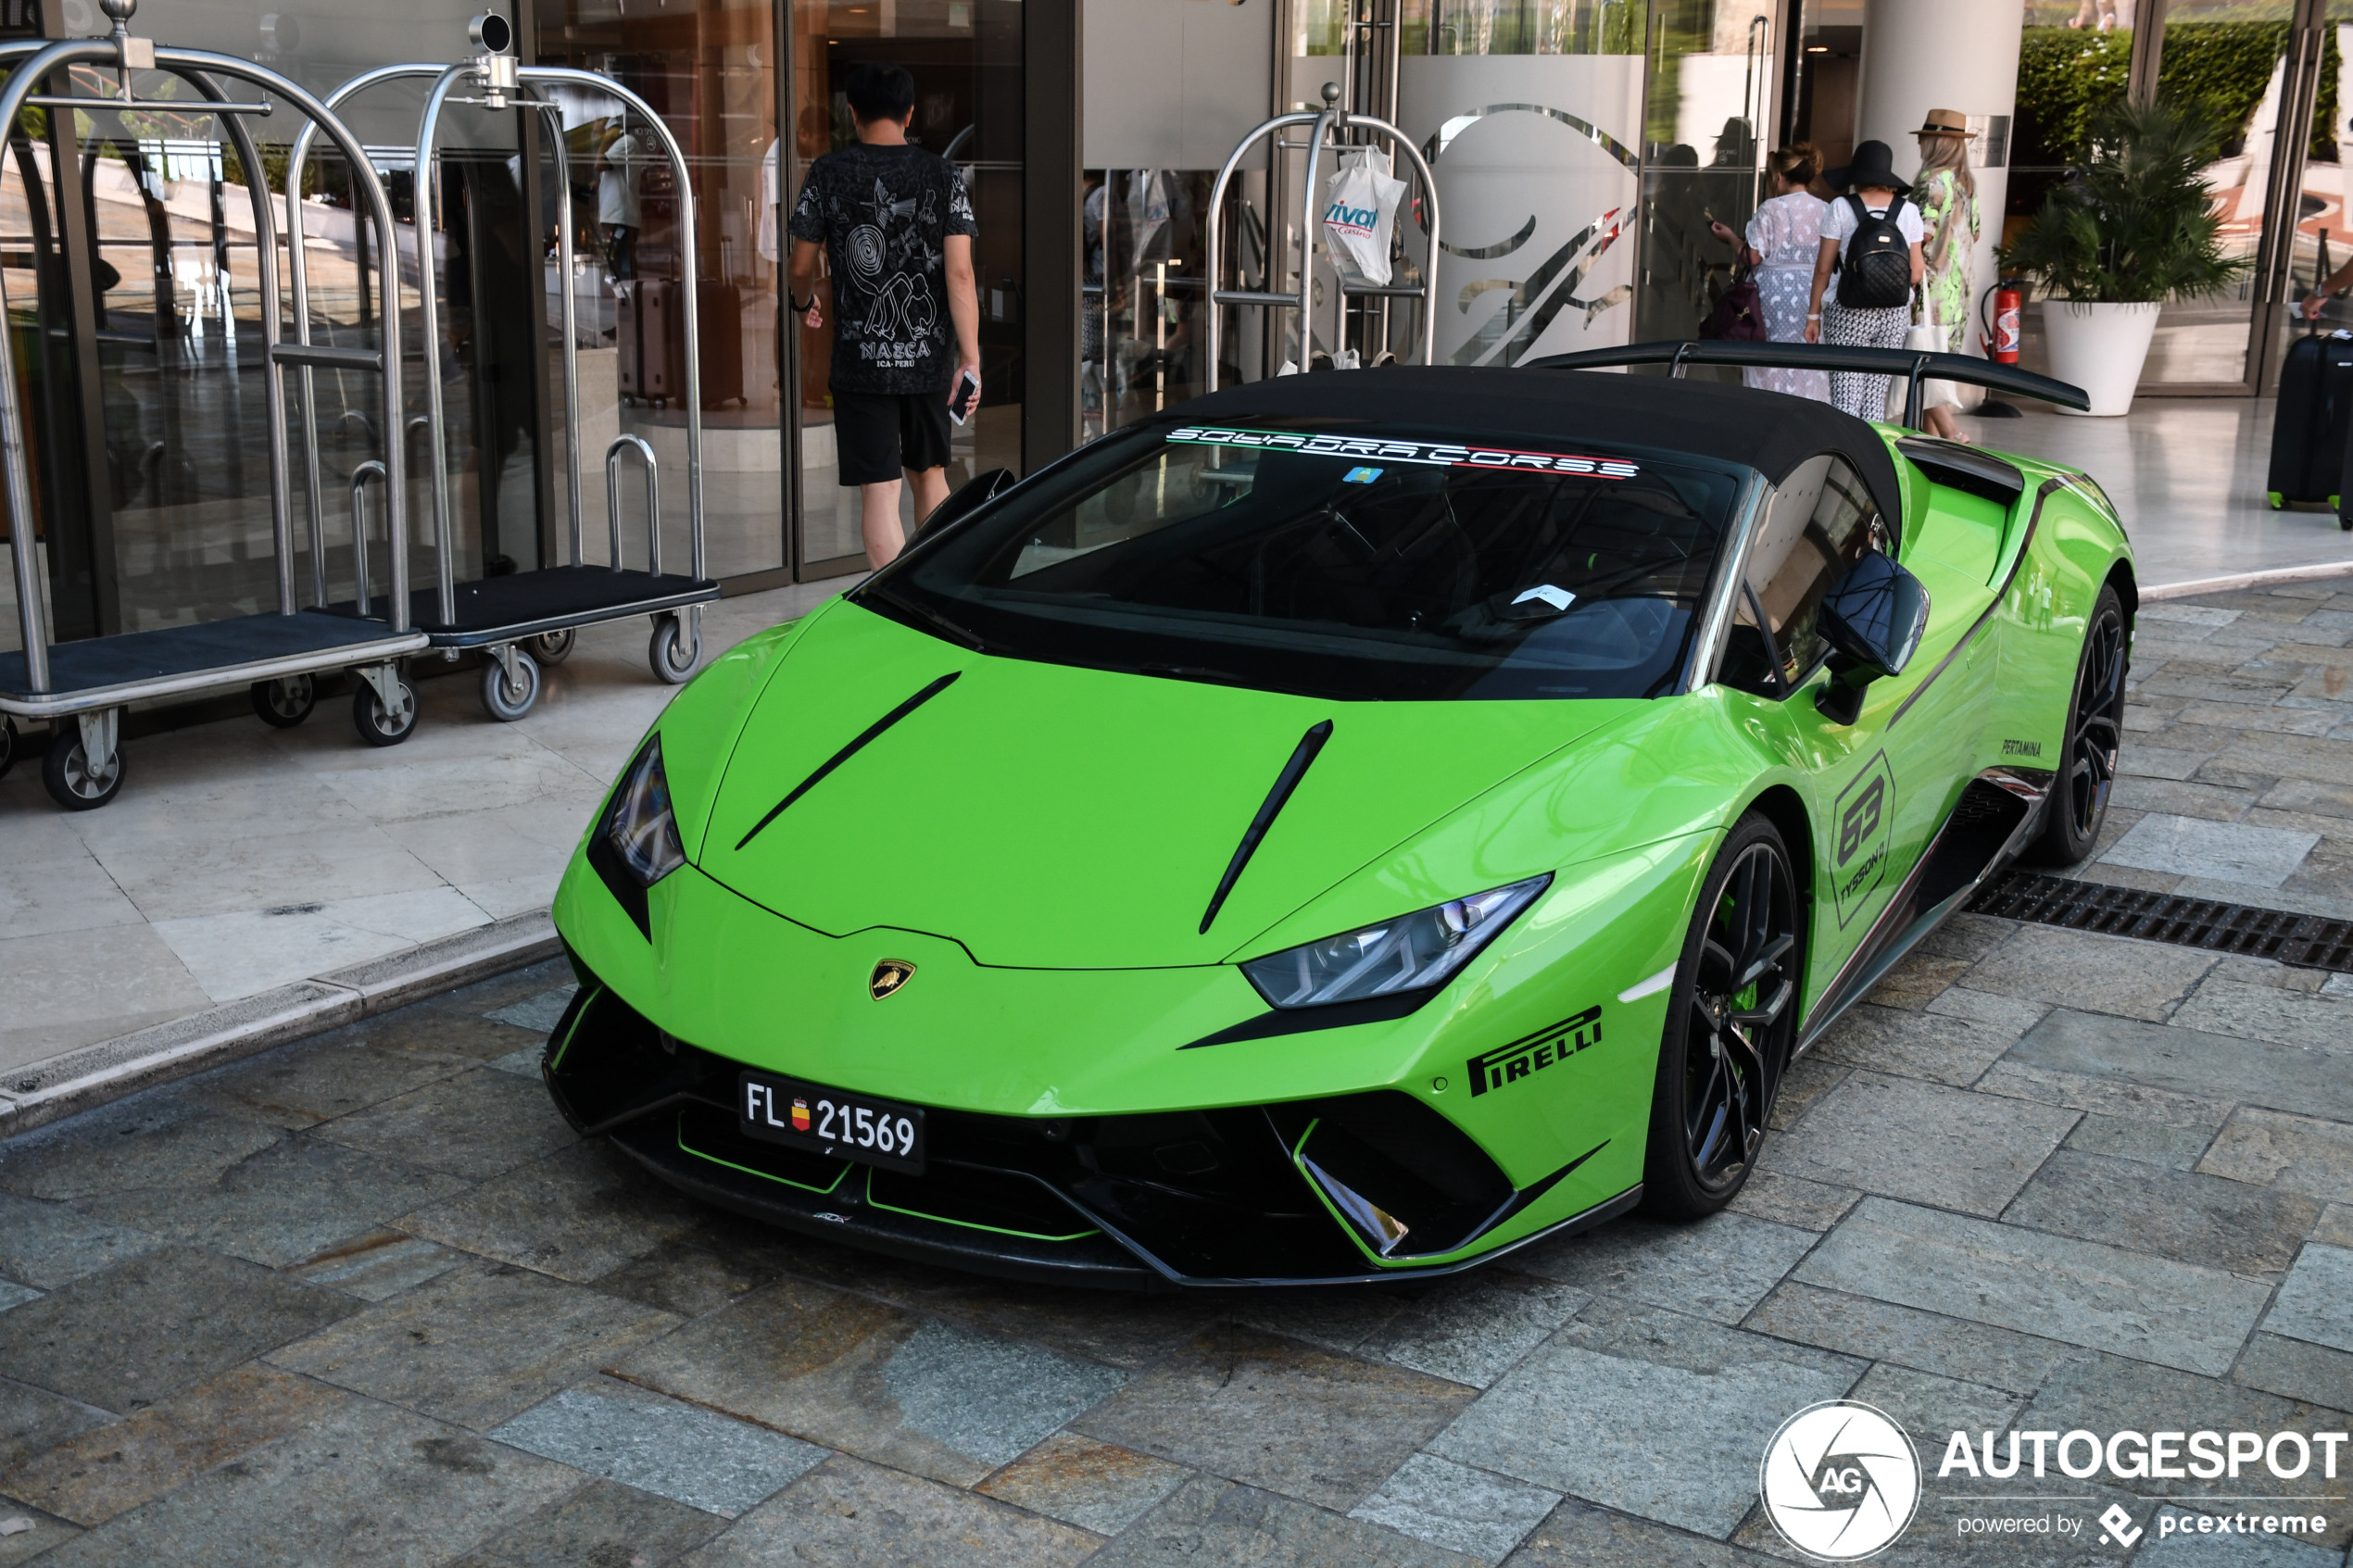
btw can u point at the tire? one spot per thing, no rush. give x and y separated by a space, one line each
2077 804
64 772
286 701
1724 1049
506 702
7 745
554 648
667 649
377 727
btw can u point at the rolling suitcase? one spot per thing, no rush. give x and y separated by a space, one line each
719 307
2309 429
645 312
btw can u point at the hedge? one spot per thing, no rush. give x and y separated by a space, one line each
2065 77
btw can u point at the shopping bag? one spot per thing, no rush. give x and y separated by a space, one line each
1739 316
1926 337
1360 215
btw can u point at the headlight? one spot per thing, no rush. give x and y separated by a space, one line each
640 828
1410 953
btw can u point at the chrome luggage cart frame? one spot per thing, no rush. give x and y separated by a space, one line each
1329 120
89 682
543 608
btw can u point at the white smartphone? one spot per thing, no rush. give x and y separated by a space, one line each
960 407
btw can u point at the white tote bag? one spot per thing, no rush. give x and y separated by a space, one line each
1360 214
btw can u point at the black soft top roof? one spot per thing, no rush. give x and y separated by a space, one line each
1770 432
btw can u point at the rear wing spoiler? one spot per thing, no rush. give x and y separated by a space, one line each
1913 366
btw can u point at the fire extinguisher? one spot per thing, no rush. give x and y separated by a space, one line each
2000 336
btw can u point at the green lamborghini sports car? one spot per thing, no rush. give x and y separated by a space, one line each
1348 827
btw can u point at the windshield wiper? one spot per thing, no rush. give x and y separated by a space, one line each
956 631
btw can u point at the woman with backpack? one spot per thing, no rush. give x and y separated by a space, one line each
1871 238
1785 236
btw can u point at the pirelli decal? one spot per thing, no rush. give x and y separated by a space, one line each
1534 1053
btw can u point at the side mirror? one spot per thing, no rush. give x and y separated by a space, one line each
1872 618
966 498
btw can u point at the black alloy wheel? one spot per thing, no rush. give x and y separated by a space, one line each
2078 803
1731 1021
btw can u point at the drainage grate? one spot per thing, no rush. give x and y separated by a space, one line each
2307 941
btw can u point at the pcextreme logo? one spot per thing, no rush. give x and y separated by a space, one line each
1840 1480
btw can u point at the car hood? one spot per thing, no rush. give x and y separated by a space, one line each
1045 816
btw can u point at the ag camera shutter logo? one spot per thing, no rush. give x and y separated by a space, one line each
1840 1480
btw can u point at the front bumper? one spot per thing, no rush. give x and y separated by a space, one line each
1234 1196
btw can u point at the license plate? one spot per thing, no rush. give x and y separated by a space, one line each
832 1122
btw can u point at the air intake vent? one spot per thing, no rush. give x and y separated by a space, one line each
2306 941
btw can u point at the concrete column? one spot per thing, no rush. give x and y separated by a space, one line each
1923 55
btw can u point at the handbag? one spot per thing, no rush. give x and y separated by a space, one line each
1739 315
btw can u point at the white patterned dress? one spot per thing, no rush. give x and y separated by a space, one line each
1786 233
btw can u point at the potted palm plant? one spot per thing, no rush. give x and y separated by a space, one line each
2132 227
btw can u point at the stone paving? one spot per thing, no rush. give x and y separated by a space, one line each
365 1301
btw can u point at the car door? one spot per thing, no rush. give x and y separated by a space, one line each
1877 788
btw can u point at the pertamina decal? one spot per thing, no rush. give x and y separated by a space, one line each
1534 1053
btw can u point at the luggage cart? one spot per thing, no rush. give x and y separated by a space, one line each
1330 121
80 688
526 618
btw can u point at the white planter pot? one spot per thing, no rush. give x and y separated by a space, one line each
2100 349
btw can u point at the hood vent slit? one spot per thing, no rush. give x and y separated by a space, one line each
1287 781
871 731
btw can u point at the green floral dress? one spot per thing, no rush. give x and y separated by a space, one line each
1945 291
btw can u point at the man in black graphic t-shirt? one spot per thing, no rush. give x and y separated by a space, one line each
897 228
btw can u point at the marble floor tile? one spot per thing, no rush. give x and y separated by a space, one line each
1452 1505
1647 1411
475 1125
1718 1268
284 1205
1473 1328
135 1334
1213 1520
2274 1148
2212 1067
74 988
112 1469
476 1346
2075 969
687 1454
2223 851
913 1393
155 1139
1097 1486
486 847
368 1487
242 953
2178 1214
2084 1293
602 1522
848 1514
579 1213
205 876
2315 1303
1902 1137
433 786
47 1245
49 897
1279 1415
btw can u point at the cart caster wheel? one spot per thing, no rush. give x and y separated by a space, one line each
66 774
673 658
508 701
286 702
378 727
7 743
554 648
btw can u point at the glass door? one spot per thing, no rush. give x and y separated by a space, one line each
966 59
1712 66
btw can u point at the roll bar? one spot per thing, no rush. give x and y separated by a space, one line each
1913 366
31 63
1329 119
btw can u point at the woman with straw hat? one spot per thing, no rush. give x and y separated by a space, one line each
1947 193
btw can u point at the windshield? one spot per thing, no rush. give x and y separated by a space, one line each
1372 563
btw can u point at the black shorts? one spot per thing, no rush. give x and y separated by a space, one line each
876 433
